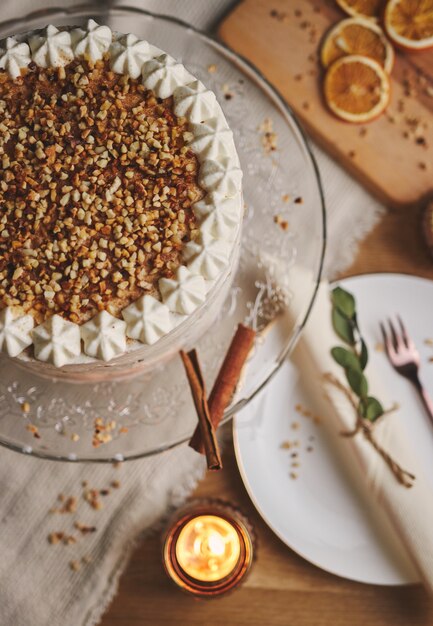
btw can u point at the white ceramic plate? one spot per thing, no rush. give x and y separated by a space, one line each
320 514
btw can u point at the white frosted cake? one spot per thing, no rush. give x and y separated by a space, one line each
121 204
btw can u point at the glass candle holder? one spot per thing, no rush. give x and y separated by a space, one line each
208 548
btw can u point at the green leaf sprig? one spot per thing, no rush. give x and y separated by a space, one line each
355 358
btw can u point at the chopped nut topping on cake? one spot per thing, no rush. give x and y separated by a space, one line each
97 186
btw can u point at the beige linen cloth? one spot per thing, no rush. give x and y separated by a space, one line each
36 585
409 511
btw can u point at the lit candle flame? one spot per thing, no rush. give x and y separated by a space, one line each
208 548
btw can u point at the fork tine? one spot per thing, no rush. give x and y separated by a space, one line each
386 341
396 339
403 331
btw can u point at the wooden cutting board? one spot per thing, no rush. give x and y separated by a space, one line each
393 155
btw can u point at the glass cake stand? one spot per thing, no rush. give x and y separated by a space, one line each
154 411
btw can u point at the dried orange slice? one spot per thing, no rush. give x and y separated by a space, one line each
357 35
409 23
362 8
356 89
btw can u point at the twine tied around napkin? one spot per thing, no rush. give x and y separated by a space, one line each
366 428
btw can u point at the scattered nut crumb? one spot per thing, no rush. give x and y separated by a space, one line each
269 137
34 430
70 505
228 94
54 538
69 539
61 537
75 565
282 223
84 529
102 431
91 496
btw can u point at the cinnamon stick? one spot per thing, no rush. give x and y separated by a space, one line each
226 381
198 390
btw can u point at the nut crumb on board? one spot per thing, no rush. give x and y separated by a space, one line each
280 16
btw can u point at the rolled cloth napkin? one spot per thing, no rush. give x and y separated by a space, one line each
409 510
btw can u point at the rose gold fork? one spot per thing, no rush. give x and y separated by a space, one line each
404 357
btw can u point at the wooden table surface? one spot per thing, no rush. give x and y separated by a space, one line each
282 588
